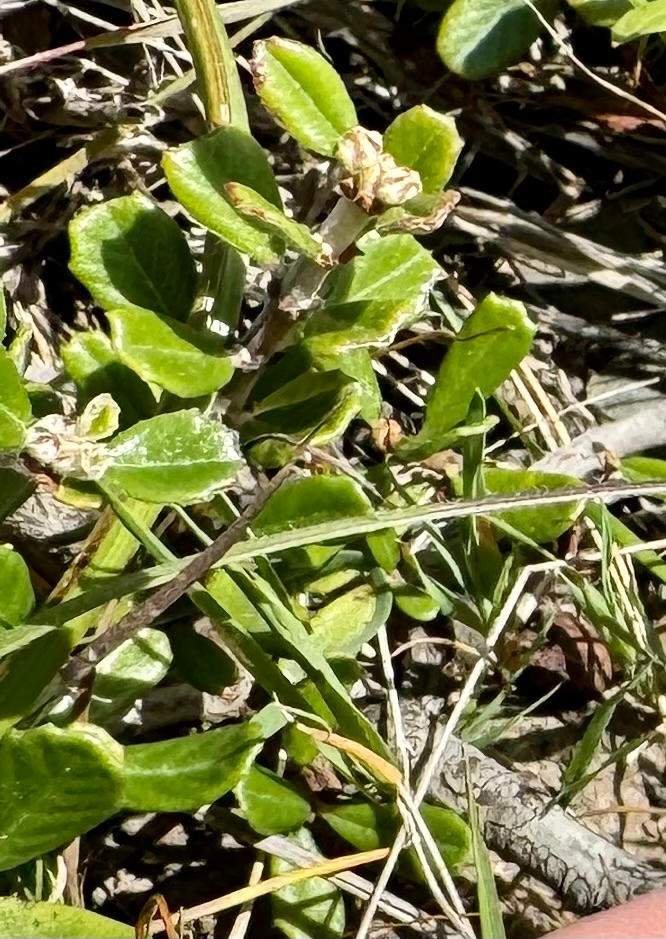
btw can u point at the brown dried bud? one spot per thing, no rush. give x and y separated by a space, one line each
375 179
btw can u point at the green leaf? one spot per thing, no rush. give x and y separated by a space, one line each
624 537
169 354
644 468
315 407
416 603
313 498
542 523
304 92
99 419
385 549
342 626
17 598
311 909
478 38
588 747
20 636
425 141
15 409
601 12
3 314
54 785
30 670
125 674
128 251
301 646
93 363
369 299
490 908
490 345
643 21
183 774
198 172
271 805
12 431
259 212
179 457
369 825
20 920
200 661
13 395
15 488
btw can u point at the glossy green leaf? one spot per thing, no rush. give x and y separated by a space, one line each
425 141
54 785
15 409
315 407
416 603
601 12
183 774
179 457
21 920
169 354
304 92
369 299
492 342
12 431
128 251
17 597
342 626
645 20
479 38
271 805
125 674
260 212
198 172
311 909
200 660
368 825
13 395
311 500
542 523
92 362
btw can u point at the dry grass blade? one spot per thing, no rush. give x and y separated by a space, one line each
381 767
246 894
214 63
157 29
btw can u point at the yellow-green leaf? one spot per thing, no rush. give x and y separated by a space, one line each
425 141
304 92
178 457
198 172
172 355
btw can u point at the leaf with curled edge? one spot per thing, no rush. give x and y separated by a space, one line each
179 457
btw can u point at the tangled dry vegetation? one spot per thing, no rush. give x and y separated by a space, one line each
332 474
